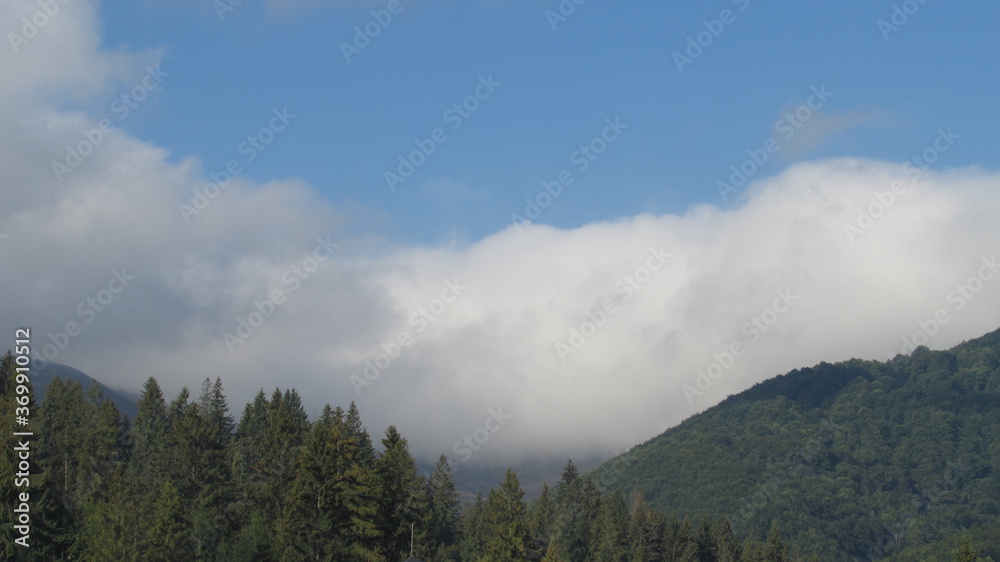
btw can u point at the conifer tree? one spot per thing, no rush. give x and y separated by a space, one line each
199 467
574 511
506 522
729 549
167 538
287 424
672 546
401 499
366 452
178 406
646 531
307 529
611 530
330 512
775 549
112 527
215 409
248 455
442 503
707 548
148 434
474 530
753 550
541 520
687 542
82 441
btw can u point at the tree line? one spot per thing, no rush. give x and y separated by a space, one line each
185 481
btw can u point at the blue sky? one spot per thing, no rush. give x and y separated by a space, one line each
685 129
861 250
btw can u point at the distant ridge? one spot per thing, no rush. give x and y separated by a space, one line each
40 381
857 460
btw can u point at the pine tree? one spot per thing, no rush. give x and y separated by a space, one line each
265 451
366 452
574 515
199 466
707 548
148 434
248 469
612 530
287 424
646 531
775 549
442 502
672 541
330 512
753 550
307 527
728 545
474 530
506 517
178 406
401 499
112 529
167 536
541 520
215 409
687 542
359 512
82 442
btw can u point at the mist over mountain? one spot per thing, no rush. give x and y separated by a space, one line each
856 459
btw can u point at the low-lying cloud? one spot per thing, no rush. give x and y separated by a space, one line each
441 340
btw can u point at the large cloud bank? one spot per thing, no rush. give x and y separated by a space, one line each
533 343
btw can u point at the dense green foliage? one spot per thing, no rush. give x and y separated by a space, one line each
856 459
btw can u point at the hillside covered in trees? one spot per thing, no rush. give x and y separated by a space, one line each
858 460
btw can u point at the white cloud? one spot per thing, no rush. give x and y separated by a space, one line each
494 346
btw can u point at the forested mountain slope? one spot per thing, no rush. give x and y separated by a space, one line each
859 458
